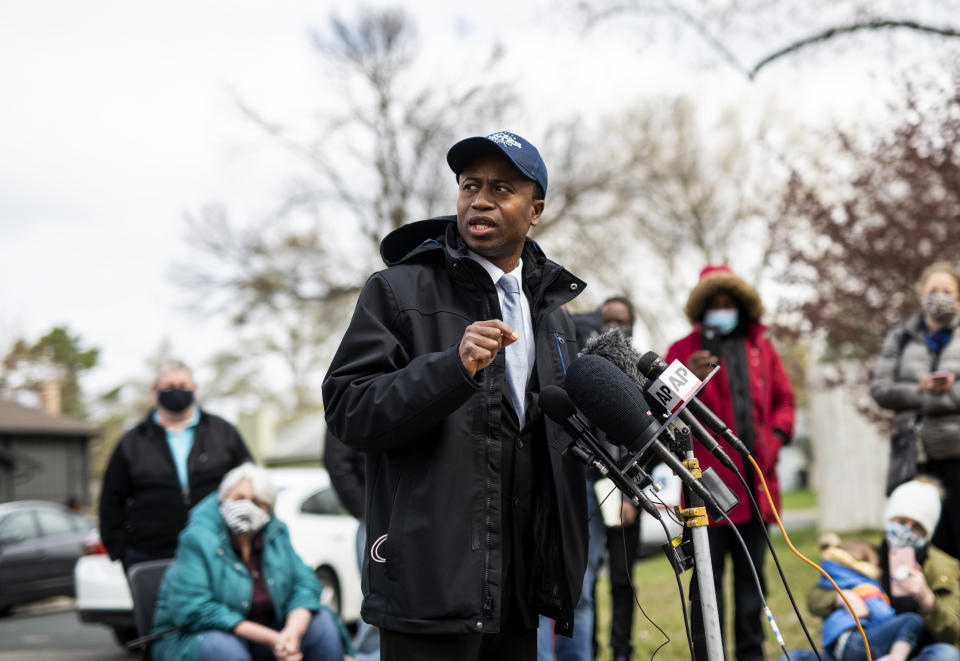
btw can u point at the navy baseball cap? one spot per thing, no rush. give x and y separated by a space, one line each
520 152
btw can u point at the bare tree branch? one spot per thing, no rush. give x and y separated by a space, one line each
847 29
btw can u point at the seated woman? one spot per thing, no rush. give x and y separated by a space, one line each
237 590
855 567
918 577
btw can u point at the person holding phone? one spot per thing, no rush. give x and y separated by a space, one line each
916 378
918 577
753 396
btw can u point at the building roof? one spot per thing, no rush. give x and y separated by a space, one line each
17 419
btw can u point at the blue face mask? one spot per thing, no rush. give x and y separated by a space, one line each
723 320
900 536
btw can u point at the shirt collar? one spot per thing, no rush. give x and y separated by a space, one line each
494 271
193 420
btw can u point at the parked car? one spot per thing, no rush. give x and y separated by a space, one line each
40 542
666 498
321 530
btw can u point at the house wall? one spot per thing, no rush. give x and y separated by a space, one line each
45 468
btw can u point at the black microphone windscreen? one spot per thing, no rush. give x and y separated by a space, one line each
613 345
611 401
651 365
556 403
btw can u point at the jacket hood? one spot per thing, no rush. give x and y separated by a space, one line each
404 240
716 279
421 236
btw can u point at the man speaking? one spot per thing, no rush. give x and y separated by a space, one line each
475 522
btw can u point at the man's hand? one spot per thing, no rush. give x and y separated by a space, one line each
860 608
482 341
699 363
628 513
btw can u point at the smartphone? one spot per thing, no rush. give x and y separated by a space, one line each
939 376
902 562
710 340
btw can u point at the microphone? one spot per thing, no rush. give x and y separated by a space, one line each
557 405
613 402
626 417
615 347
651 365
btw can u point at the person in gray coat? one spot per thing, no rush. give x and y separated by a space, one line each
916 377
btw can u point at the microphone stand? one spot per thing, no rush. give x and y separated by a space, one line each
695 518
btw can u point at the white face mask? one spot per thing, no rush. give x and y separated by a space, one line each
243 517
940 306
724 320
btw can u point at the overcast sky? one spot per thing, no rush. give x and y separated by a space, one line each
116 119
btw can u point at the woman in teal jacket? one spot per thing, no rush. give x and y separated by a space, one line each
237 590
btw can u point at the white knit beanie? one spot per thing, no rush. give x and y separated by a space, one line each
915 500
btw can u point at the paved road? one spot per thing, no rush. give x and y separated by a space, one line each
50 631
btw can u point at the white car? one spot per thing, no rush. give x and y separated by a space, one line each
321 530
668 496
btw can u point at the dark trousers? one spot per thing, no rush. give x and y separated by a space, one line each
132 556
748 620
947 535
622 546
516 645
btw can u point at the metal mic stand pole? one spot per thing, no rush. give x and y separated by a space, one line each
695 518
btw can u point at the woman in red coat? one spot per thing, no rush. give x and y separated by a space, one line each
753 396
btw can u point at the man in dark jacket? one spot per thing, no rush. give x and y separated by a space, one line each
475 521
161 468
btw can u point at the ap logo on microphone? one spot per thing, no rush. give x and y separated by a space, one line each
674 386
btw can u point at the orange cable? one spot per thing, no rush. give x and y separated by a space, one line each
797 553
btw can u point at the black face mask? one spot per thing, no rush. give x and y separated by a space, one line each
175 400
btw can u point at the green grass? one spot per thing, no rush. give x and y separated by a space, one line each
799 499
659 596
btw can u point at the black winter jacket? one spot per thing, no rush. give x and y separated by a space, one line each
142 504
397 390
347 471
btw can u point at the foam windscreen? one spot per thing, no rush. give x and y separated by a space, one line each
611 401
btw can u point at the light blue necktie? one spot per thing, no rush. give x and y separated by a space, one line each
516 353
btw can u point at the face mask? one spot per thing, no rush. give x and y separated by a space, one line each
940 306
243 517
723 320
175 400
900 536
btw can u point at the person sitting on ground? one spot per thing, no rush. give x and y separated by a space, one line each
918 577
237 588
855 568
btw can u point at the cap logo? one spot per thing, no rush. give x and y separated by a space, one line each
504 138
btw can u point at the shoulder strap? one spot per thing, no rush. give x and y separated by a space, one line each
901 344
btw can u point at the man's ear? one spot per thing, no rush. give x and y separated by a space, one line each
535 212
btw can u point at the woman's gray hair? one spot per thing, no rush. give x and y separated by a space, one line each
263 489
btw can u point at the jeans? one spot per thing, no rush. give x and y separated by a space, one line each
321 642
932 652
906 626
367 641
580 646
